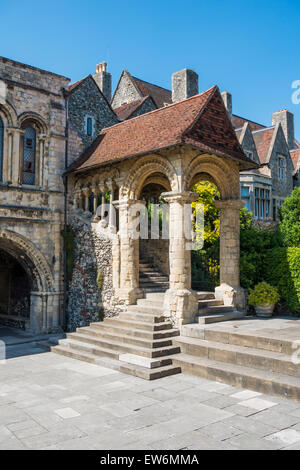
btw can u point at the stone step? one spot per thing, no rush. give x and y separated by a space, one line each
151 303
149 283
156 296
129 331
123 338
145 317
154 289
218 317
148 307
203 295
251 340
149 374
209 303
100 344
239 376
152 272
215 309
240 355
79 343
137 324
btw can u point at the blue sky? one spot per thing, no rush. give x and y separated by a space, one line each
248 48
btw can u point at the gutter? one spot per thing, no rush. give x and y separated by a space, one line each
65 180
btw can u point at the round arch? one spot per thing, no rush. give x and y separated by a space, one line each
142 170
32 118
31 259
8 115
216 170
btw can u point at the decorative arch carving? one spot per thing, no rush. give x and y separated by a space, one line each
35 119
9 115
218 170
141 170
31 259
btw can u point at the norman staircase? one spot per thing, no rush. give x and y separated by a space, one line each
142 342
138 342
151 279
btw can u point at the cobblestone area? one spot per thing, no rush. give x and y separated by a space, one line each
53 402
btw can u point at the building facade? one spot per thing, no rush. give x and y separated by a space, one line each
69 153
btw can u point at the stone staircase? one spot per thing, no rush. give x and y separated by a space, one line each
253 361
151 279
213 311
138 342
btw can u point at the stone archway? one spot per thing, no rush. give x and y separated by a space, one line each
44 301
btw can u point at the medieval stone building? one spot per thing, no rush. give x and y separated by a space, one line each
69 154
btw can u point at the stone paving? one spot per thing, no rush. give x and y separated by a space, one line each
49 401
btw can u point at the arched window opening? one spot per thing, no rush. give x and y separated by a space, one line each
1 148
29 156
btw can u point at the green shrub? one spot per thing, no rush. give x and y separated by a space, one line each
282 269
263 293
69 244
290 223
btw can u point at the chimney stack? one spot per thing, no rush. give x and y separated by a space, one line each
227 98
184 85
286 119
103 80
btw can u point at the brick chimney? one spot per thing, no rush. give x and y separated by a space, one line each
103 80
227 98
286 119
184 85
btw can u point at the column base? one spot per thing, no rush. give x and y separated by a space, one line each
180 306
129 296
234 296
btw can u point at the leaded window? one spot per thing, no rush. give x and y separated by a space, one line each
29 156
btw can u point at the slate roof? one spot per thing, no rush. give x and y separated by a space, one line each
200 121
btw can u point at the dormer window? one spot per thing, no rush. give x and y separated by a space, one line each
281 167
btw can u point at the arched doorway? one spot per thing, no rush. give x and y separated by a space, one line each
15 290
154 245
27 296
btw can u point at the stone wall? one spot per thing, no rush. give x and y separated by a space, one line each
126 91
147 106
92 260
87 101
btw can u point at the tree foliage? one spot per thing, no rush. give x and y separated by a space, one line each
290 219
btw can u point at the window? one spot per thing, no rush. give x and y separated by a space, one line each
249 154
245 195
89 126
281 168
262 203
1 148
29 153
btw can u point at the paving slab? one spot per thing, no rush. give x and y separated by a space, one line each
49 401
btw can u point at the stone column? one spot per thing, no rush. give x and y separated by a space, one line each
129 290
112 218
180 301
229 290
86 192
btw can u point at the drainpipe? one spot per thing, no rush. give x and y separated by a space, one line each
65 180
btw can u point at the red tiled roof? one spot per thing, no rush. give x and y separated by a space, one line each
262 141
201 121
238 122
124 111
159 95
295 155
